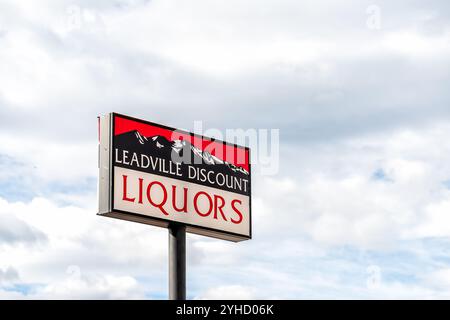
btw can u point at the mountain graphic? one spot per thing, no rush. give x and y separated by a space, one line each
178 151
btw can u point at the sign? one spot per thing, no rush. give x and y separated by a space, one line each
157 175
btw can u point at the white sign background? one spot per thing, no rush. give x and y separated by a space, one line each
191 217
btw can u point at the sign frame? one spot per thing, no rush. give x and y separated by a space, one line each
106 182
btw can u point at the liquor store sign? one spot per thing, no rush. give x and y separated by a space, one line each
154 174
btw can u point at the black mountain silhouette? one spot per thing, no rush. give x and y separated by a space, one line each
178 151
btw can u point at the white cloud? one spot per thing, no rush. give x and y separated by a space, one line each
440 280
77 286
76 236
364 126
8 276
50 162
16 231
335 197
436 220
229 292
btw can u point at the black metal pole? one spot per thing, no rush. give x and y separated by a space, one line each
177 262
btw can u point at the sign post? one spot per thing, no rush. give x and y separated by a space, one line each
161 176
177 262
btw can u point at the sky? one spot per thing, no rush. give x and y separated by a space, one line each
359 90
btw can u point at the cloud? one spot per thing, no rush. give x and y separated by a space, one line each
325 84
77 236
16 231
439 281
70 235
79 286
76 286
306 225
230 292
435 220
8 275
364 122
333 197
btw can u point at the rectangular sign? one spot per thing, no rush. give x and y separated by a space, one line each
157 175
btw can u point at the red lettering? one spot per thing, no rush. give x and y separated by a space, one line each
163 202
196 204
141 181
174 200
181 200
237 211
125 198
218 207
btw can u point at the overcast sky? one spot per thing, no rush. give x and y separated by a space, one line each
359 90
